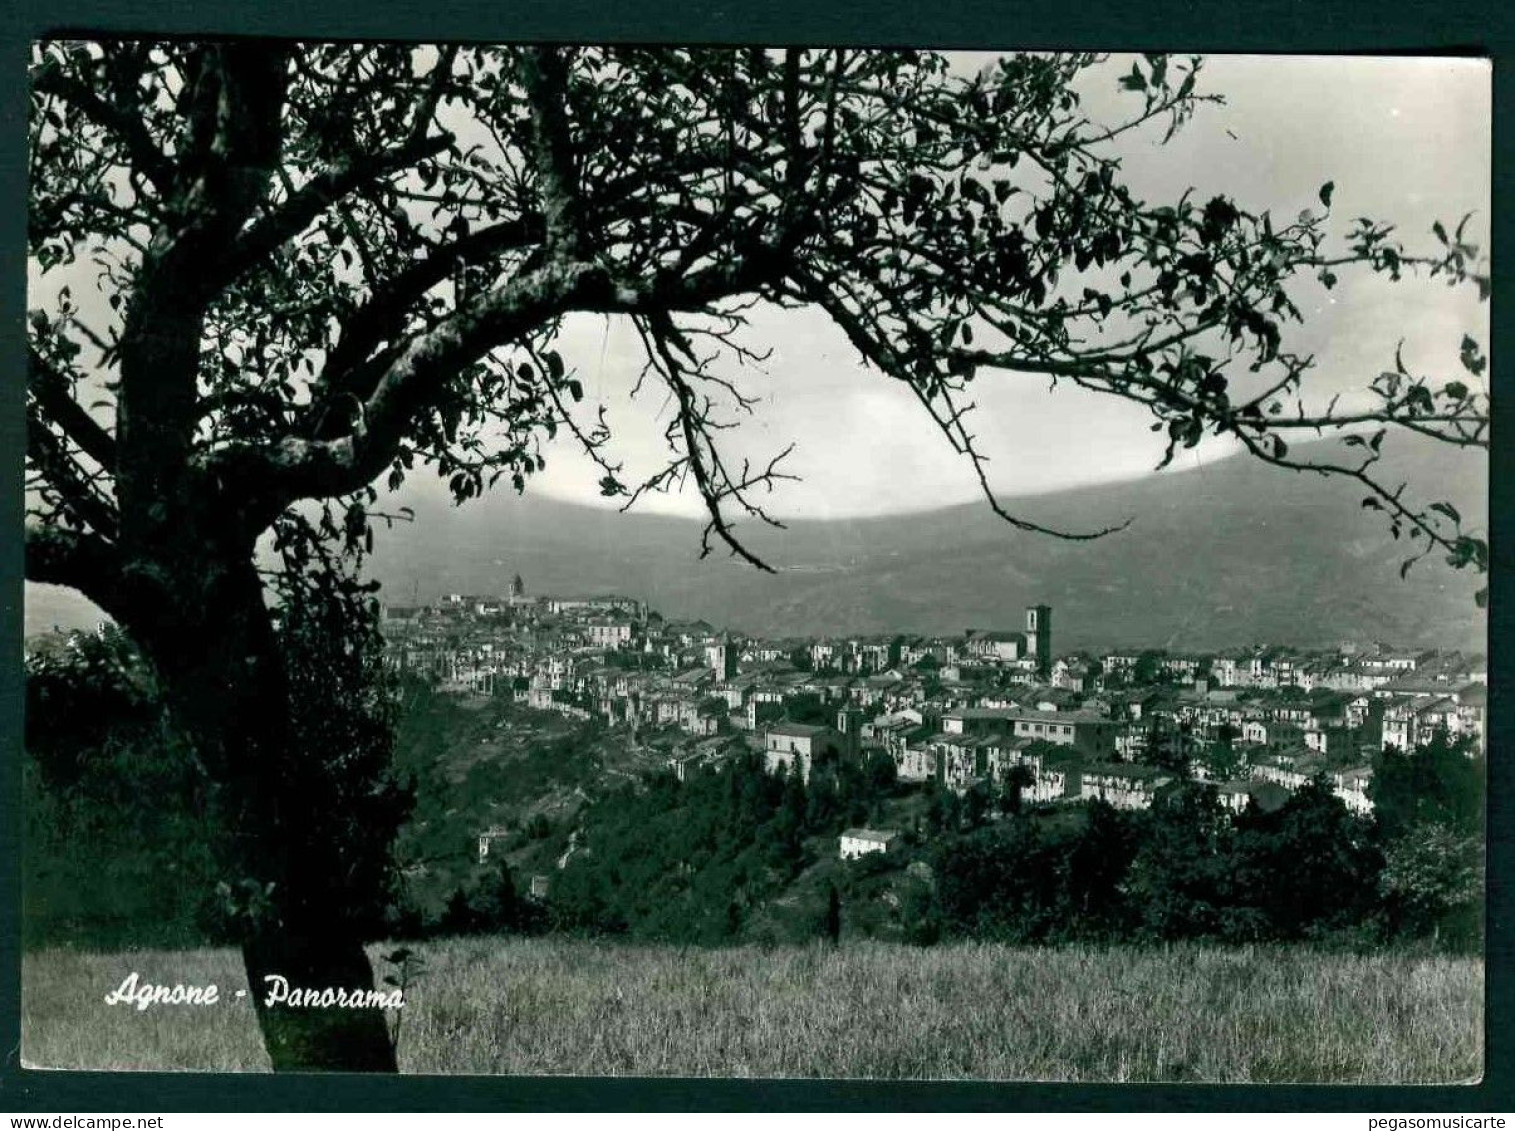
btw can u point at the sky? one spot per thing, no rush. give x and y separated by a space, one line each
1405 141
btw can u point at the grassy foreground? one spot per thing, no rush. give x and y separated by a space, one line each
1254 1014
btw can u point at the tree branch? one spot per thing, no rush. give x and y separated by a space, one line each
63 475
544 74
316 195
55 556
142 151
50 390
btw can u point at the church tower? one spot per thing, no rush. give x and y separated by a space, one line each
1039 637
721 658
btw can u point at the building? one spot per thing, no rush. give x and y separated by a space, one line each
915 763
762 707
720 658
994 647
487 839
1235 796
1083 730
1351 785
609 635
1123 785
1039 638
960 759
787 744
1055 777
856 843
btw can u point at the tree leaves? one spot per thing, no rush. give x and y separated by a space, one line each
1472 360
1135 80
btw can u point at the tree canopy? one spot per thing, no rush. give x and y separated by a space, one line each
330 264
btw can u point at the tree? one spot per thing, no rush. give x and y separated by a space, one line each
1168 745
976 804
1309 867
1017 780
1148 670
881 774
116 850
833 924
1180 877
1222 757
1441 782
327 266
1097 867
501 900
1433 883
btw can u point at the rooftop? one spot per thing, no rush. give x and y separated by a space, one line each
873 836
1131 770
798 730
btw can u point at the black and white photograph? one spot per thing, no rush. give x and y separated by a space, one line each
768 562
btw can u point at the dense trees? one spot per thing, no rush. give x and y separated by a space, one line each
686 861
116 848
1441 783
324 267
1309 870
1430 805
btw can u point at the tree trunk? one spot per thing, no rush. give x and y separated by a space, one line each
287 872
300 1039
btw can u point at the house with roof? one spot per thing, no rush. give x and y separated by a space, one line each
868 656
987 645
1070 674
1411 722
825 655
915 762
1057 777
786 744
1290 769
1083 730
1123 785
1223 671
961 759
1351 785
1472 710
487 839
857 843
1237 794
1056 771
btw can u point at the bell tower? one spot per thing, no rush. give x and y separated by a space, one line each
1039 637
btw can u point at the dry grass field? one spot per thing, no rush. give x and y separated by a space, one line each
1256 1014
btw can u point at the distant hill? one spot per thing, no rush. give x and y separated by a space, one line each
1231 553
1228 554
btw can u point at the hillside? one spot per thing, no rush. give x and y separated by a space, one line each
1227 554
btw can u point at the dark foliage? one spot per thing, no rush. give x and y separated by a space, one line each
117 849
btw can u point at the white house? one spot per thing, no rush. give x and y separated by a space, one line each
856 843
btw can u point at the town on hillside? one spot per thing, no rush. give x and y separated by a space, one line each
994 706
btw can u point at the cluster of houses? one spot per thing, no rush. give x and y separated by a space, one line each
962 711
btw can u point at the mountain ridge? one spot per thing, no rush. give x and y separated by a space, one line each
1224 555
1214 557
